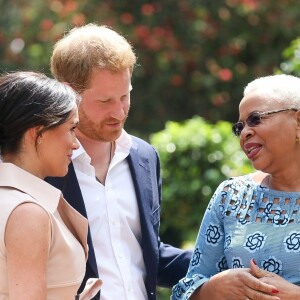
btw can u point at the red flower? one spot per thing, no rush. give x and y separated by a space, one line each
142 31
46 24
126 18
176 80
78 20
225 74
147 9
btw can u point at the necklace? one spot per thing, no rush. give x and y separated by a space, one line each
109 161
110 153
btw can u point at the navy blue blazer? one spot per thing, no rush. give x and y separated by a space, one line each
165 264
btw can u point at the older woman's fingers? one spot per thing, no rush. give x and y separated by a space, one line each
256 271
257 287
256 295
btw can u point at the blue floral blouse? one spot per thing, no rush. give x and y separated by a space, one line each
245 220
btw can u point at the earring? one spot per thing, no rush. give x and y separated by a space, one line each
297 139
40 141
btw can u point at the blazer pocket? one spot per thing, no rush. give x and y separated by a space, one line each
156 216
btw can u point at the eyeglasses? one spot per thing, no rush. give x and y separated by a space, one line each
254 119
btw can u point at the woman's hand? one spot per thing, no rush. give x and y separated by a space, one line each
236 284
286 290
92 287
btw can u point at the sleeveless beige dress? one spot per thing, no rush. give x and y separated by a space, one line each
68 248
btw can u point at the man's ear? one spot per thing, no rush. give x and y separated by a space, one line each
78 90
70 85
67 83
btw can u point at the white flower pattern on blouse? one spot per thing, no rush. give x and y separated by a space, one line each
255 241
245 220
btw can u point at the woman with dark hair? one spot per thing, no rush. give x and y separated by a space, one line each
43 247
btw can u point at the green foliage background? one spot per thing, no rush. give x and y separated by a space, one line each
291 55
194 58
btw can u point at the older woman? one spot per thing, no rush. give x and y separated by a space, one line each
248 246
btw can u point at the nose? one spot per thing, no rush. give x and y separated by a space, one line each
246 132
118 110
75 144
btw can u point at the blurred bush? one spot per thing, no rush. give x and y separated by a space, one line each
291 56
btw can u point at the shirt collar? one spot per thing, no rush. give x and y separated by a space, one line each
44 193
123 144
78 152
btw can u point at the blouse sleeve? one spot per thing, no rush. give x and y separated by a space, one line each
208 256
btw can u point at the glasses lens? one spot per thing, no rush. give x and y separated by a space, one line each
237 128
253 120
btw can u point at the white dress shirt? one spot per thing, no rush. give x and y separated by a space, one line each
114 221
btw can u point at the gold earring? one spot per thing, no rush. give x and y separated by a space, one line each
40 141
297 139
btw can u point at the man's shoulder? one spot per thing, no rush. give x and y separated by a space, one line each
141 145
139 141
143 148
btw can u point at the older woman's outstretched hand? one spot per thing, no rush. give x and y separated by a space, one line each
236 284
286 290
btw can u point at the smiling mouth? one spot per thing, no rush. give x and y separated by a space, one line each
249 150
252 151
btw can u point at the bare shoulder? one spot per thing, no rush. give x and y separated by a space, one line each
27 221
28 212
27 241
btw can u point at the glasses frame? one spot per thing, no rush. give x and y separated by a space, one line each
238 127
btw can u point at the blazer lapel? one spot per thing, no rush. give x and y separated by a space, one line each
139 167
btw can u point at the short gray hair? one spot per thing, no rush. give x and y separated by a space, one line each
281 88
